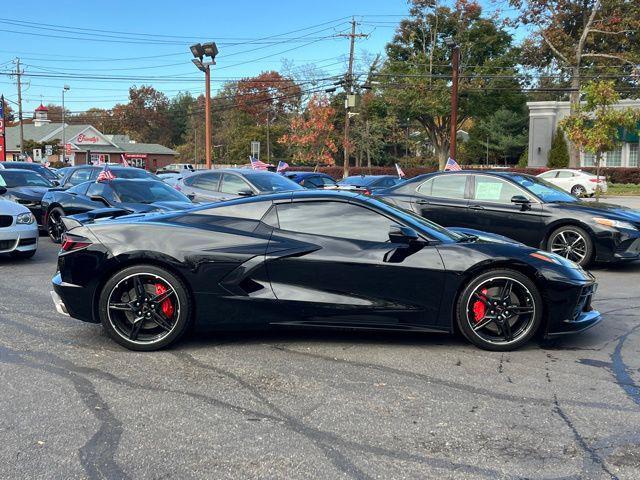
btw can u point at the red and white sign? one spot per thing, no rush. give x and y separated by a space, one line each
84 139
135 155
67 149
1 126
2 151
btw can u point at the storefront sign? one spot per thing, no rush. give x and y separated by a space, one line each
135 155
67 149
84 139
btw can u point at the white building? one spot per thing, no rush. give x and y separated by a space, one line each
544 118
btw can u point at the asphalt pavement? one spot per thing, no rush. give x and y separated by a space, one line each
314 404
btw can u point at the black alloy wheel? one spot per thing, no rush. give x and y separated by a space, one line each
572 243
499 310
145 308
55 227
578 191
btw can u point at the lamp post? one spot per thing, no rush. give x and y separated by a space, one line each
64 140
455 62
199 51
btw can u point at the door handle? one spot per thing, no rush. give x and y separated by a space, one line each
476 207
423 202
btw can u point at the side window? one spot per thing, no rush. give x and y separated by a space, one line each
206 181
79 176
565 174
492 189
445 186
334 219
233 184
314 182
548 175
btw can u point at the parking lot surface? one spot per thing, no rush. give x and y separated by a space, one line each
314 404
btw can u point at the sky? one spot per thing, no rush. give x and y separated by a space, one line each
81 44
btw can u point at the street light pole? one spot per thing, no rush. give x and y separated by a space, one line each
455 65
199 51
64 140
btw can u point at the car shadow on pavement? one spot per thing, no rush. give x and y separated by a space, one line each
622 267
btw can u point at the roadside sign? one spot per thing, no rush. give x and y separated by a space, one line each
48 150
67 149
255 150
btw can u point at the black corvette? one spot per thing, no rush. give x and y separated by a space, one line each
126 195
27 188
526 209
316 259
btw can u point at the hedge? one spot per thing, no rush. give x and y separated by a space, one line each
614 175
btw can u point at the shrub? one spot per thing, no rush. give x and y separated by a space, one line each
523 162
559 153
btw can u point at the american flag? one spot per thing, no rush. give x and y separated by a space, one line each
124 161
105 175
257 164
452 166
29 159
400 172
282 166
47 164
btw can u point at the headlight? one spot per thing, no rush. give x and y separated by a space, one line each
26 218
607 222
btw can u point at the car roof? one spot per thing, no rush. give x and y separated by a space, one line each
21 170
241 171
308 174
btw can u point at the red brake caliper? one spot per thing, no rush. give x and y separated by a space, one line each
167 306
479 307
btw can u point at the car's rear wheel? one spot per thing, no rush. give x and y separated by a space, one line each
573 243
499 310
145 307
578 191
55 227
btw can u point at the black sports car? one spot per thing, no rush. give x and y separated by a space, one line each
27 188
524 208
34 167
131 196
312 258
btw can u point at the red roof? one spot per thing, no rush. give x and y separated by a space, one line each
42 108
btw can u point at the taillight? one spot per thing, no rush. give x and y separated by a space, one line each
71 243
595 180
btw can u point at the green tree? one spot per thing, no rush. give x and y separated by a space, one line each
596 128
559 153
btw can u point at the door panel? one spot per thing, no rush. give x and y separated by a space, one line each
442 199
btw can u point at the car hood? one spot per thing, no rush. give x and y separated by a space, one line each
30 193
156 206
609 210
11 208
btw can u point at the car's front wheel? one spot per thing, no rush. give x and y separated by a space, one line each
499 310
55 227
573 243
145 307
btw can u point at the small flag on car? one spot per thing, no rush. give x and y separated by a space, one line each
124 161
105 175
47 164
257 164
282 166
400 172
29 159
452 166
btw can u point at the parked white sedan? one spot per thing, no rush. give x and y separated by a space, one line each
18 229
577 182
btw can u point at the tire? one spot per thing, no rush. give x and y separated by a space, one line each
130 316
562 241
497 325
578 191
23 255
55 227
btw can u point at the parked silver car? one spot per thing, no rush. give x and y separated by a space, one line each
18 230
229 183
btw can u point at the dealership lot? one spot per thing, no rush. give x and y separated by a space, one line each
314 404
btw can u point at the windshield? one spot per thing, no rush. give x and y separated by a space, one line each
147 192
130 173
269 183
542 189
24 178
414 218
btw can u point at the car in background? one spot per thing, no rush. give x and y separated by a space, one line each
229 183
312 179
130 195
312 258
26 188
18 229
577 182
86 173
172 178
371 183
60 172
173 167
34 167
525 208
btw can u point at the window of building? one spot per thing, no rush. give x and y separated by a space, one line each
633 154
100 158
588 159
614 158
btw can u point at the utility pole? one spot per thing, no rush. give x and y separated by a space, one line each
18 74
455 66
199 51
348 88
268 138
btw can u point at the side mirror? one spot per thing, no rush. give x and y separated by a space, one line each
56 183
521 200
245 193
97 198
191 197
3 190
400 234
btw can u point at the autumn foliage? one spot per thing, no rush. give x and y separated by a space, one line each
312 135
